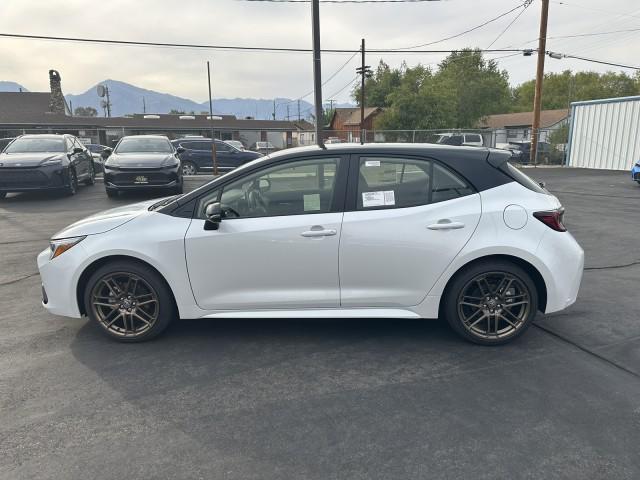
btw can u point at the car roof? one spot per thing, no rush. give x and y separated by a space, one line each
45 135
145 136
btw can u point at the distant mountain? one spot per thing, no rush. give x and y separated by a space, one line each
6 86
128 99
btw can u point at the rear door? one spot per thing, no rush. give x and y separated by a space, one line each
409 219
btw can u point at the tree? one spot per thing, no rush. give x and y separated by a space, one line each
465 88
560 89
85 112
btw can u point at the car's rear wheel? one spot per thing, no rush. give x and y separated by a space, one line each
92 175
491 303
129 300
189 168
72 188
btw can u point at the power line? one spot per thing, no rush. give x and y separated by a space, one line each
351 82
230 47
342 1
567 55
511 23
466 31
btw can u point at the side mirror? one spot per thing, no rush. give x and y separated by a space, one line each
180 150
542 184
213 212
107 151
77 150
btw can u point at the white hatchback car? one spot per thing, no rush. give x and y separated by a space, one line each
391 231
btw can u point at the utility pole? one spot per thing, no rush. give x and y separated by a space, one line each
288 113
317 73
144 105
365 71
108 101
214 157
274 108
298 109
537 99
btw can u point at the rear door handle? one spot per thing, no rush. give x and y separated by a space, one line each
446 224
318 231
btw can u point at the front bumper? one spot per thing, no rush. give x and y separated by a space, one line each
142 178
33 178
635 173
59 278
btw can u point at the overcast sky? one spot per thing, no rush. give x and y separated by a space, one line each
182 72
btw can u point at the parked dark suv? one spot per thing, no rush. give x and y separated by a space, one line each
197 155
45 162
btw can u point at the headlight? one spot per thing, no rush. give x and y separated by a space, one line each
55 161
108 166
171 163
58 247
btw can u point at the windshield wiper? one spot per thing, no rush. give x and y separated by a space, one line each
164 202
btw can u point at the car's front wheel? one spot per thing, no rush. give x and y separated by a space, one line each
189 168
130 301
491 303
72 188
92 175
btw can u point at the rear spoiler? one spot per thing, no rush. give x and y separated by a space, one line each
497 158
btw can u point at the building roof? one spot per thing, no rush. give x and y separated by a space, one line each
548 118
20 105
351 116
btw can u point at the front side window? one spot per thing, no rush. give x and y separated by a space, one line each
294 188
399 183
144 145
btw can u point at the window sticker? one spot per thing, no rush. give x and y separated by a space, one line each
372 163
378 199
311 202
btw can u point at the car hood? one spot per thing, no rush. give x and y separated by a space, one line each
105 221
28 159
143 160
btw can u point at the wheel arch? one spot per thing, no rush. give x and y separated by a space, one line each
535 274
96 264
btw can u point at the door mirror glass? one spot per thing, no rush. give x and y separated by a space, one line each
213 212
77 150
106 152
180 150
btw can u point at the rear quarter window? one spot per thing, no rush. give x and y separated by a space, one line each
522 178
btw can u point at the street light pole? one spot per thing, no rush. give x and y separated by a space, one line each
537 99
214 157
317 74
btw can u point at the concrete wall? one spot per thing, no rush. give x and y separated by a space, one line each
605 134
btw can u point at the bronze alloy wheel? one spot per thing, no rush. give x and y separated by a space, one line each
494 305
125 304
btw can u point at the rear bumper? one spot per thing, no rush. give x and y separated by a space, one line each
564 258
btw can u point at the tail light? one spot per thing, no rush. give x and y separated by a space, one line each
552 219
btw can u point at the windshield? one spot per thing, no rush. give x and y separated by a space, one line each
144 145
34 145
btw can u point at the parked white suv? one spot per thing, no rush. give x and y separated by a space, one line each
460 138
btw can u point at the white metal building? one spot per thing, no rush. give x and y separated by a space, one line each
605 134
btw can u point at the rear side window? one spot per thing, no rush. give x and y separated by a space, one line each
522 178
475 138
389 182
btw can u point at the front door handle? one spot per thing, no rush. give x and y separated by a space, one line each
446 224
318 231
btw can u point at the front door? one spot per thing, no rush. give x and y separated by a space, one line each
277 247
410 219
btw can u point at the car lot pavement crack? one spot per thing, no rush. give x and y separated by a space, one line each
16 280
607 267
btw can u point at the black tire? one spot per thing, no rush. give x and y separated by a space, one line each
456 309
72 188
112 193
92 175
189 168
132 321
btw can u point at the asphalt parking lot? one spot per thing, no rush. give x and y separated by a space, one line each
320 399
